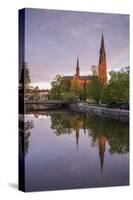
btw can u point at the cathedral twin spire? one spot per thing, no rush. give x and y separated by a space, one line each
77 68
102 67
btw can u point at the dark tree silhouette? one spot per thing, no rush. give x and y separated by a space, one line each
24 131
24 77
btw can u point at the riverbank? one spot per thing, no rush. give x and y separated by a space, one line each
80 107
100 111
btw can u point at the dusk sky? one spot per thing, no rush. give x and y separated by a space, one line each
55 38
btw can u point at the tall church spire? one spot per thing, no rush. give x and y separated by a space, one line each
102 143
77 137
102 67
102 43
77 68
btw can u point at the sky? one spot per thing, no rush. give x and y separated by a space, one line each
53 39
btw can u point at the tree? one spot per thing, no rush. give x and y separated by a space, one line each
69 96
76 87
83 93
24 77
62 88
65 84
116 93
24 131
94 90
56 87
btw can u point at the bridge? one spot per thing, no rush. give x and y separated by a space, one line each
45 104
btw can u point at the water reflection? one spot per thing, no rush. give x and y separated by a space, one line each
101 130
24 131
52 133
102 143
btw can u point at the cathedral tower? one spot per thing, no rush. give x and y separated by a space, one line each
77 137
77 68
102 143
102 67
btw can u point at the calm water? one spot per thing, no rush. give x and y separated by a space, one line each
69 150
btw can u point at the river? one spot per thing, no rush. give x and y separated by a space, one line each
67 150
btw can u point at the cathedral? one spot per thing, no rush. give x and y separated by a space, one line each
101 72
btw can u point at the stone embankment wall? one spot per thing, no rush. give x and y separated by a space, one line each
100 111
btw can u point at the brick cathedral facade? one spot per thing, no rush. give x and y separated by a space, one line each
102 68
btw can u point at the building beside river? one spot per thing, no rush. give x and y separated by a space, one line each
101 72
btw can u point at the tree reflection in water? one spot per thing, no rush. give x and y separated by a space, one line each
24 131
101 130
116 133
